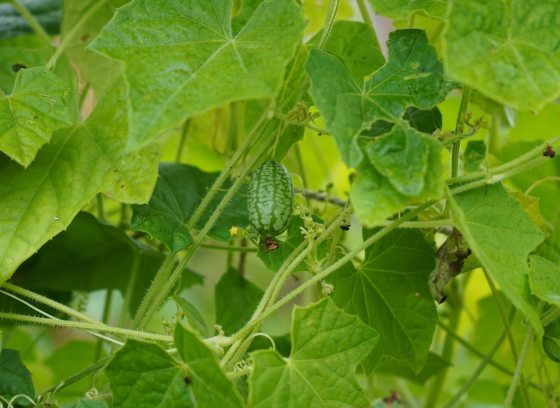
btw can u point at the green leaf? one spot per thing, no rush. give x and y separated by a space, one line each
411 77
46 12
15 378
177 72
544 279
194 319
89 256
352 42
207 383
404 168
506 50
236 299
39 202
37 106
143 374
389 292
474 155
327 345
99 71
400 9
179 190
501 235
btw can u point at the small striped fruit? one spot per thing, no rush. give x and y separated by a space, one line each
270 200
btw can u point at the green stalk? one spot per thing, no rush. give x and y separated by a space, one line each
474 376
32 21
103 328
171 279
73 32
518 161
507 325
229 248
329 22
447 354
327 271
129 289
162 276
518 376
294 259
367 19
50 303
459 130
104 319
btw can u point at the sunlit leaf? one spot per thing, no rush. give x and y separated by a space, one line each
506 50
327 345
177 72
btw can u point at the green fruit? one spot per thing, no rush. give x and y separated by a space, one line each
270 199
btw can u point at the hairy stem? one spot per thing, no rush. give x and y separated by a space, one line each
455 154
517 375
474 376
329 22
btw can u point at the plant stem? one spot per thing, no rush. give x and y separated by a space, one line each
329 22
507 326
496 178
447 354
257 319
100 207
130 289
367 19
517 375
32 21
162 276
50 303
474 376
72 33
229 248
480 354
104 319
526 157
103 328
459 130
157 295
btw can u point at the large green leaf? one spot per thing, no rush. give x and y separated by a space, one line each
206 380
327 345
179 190
143 374
411 77
406 8
40 201
99 71
46 12
508 50
501 235
15 378
236 299
177 72
89 256
404 167
37 106
389 292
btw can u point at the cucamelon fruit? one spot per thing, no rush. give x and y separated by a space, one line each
270 199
